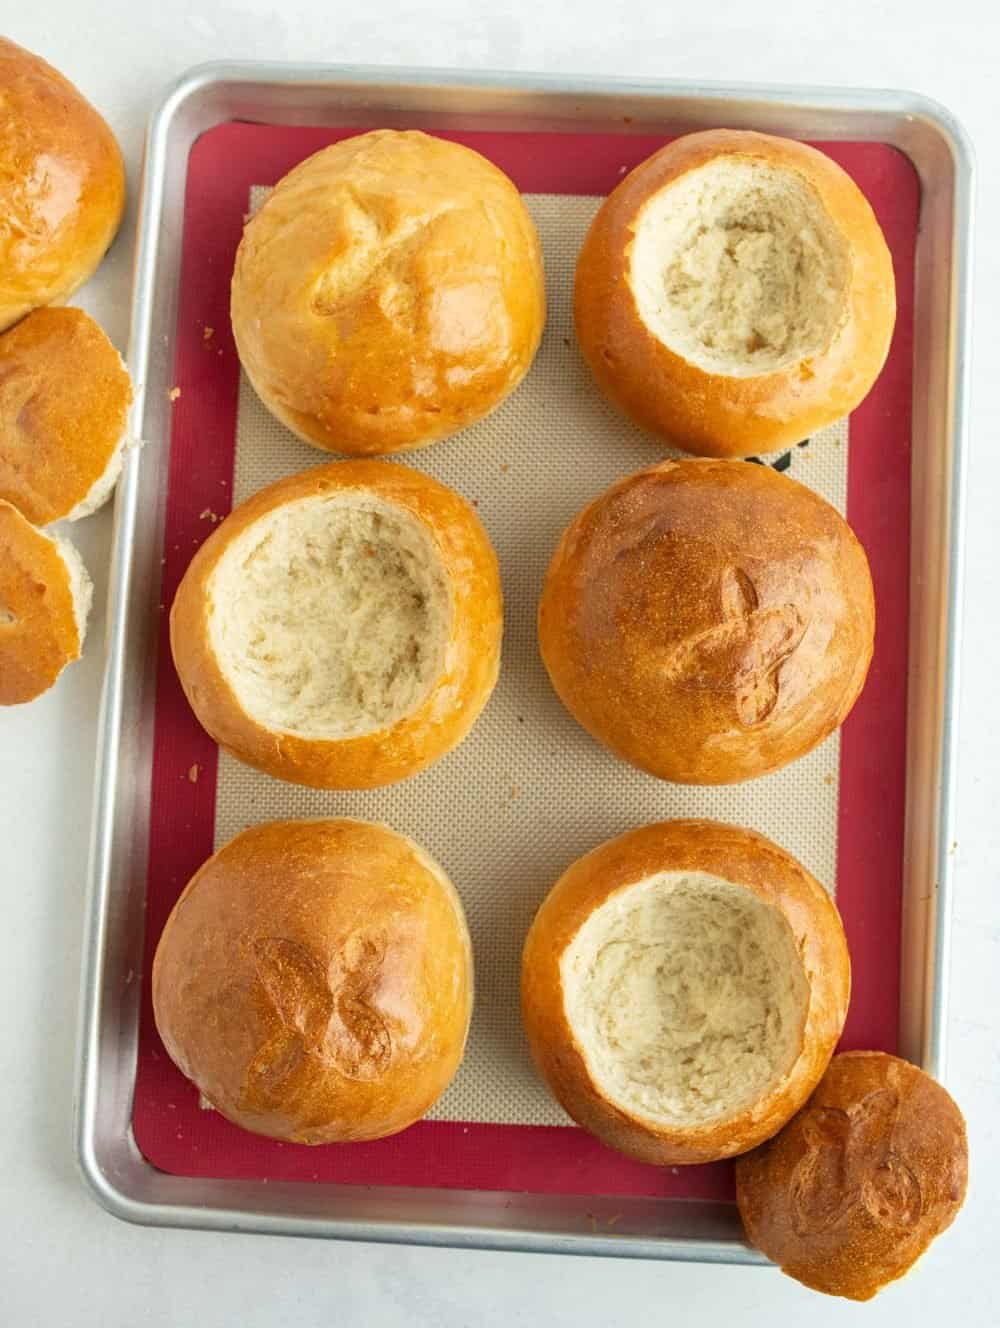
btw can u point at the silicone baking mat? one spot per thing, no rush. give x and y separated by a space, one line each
528 791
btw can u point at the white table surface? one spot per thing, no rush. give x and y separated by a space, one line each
65 1262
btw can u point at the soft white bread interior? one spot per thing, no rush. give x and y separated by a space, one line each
738 267
683 987
329 616
81 586
686 996
341 628
734 293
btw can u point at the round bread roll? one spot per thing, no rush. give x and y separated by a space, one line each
45 596
709 621
64 399
735 293
683 988
388 293
342 627
856 1186
315 981
62 185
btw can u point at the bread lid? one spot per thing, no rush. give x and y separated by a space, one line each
64 400
45 596
856 1186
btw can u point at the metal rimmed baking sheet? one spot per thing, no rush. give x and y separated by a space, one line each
273 96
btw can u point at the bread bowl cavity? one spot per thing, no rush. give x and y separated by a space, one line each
329 616
687 997
737 267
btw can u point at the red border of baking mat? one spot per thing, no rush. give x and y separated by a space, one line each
170 1129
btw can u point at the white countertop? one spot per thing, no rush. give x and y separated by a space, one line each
64 1261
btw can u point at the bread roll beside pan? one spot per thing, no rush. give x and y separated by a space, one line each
314 980
683 988
342 627
735 293
388 293
64 400
709 621
45 596
856 1186
62 185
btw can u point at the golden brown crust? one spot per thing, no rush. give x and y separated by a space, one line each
388 293
852 1191
709 621
64 399
315 981
471 660
62 185
715 414
39 635
736 855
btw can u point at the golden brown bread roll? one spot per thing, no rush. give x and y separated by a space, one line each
709 621
735 293
315 981
45 596
856 1186
342 627
64 399
62 185
388 293
683 987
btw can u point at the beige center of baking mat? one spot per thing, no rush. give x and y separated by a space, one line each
528 791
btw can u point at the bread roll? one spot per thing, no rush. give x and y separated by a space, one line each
735 293
45 596
315 981
388 293
709 621
62 185
683 988
64 399
856 1186
342 627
